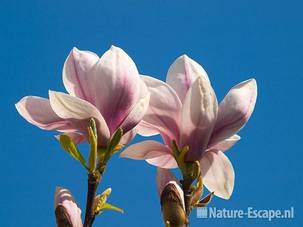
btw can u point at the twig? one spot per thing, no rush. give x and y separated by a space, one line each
92 186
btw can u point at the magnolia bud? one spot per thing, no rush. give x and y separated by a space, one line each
67 212
62 217
172 206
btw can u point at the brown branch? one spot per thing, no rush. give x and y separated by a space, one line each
92 186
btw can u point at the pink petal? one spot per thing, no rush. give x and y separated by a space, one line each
118 86
165 177
199 114
64 198
218 173
70 107
165 161
38 111
146 129
145 150
183 73
226 144
111 83
163 112
77 76
127 137
137 113
235 110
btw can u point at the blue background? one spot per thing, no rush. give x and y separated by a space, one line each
233 40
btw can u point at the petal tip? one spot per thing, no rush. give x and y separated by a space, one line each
20 103
183 57
75 49
114 48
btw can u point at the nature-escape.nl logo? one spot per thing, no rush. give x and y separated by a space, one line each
249 213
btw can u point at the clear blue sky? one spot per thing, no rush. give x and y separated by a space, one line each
233 40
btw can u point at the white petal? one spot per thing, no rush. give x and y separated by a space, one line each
146 129
218 173
136 114
77 76
182 74
118 86
127 137
235 110
199 114
226 143
37 111
69 107
111 83
145 150
165 161
163 112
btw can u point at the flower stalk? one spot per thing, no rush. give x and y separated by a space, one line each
97 170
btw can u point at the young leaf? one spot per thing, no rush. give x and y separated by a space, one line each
108 206
115 139
92 160
184 151
117 148
69 146
175 149
101 199
92 124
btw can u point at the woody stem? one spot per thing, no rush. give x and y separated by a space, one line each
92 186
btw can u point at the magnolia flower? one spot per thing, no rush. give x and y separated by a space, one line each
185 109
66 209
108 89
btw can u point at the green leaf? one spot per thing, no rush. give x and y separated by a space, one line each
101 204
101 199
108 206
175 149
69 146
184 151
115 139
92 138
92 124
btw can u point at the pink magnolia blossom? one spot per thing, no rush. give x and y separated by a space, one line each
64 198
108 89
185 109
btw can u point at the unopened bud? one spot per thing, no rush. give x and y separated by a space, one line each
67 212
172 206
62 217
